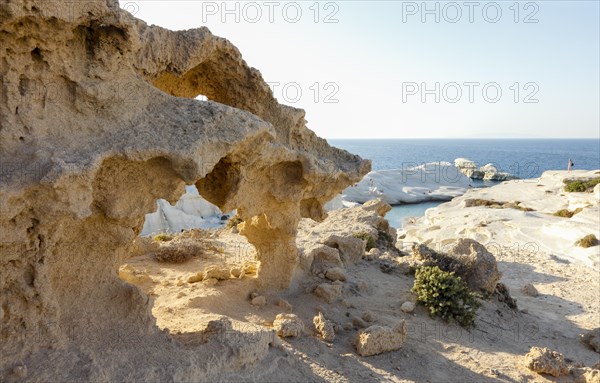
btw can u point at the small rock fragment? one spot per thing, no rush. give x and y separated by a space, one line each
198 277
379 339
288 325
329 291
217 273
324 328
259 301
546 361
210 282
236 272
530 290
407 307
335 274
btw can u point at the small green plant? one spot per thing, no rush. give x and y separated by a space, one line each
445 295
581 185
566 213
587 241
163 237
366 237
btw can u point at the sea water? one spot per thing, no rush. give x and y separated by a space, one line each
525 158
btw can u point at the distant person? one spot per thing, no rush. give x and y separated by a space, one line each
570 165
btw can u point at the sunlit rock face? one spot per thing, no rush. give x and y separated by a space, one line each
97 121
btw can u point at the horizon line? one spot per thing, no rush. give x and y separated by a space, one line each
462 138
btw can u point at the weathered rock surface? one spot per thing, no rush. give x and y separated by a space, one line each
530 290
324 328
288 325
335 243
98 121
488 172
329 291
407 307
379 339
468 259
545 361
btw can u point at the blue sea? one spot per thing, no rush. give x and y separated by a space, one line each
525 158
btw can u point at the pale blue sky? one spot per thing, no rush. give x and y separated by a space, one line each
374 60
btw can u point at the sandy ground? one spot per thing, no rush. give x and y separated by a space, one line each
435 351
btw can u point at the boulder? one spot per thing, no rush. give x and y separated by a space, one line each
379 339
324 258
329 291
469 259
545 361
530 290
216 272
324 328
288 325
351 248
335 274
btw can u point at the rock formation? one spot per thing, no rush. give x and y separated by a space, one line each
469 259
488 172
379 339
98 121
545 361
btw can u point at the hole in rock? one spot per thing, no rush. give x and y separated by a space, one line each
36 54
192 261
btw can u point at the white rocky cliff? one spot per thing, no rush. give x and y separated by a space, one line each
432 181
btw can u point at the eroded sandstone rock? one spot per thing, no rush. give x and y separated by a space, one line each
288 325
469 259
379 339
324 328
98 121
329 291
546 361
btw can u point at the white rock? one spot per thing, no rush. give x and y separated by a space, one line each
432 181
191 211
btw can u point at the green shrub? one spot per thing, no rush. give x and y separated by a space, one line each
566 213
581 185
366 237
163 237
587 241
445 295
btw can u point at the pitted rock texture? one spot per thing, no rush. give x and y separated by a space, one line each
97 121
